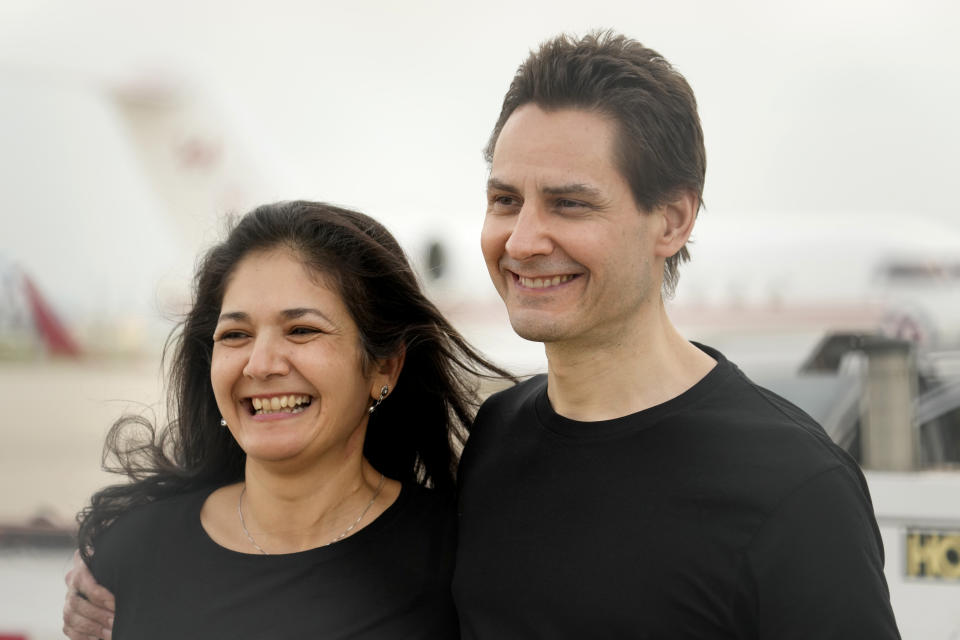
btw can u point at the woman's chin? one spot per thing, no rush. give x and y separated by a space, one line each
273 452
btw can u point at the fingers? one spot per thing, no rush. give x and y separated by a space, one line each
80 579
83 620
88 609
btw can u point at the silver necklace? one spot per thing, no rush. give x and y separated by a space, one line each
243 525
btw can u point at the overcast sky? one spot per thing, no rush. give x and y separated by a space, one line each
385 106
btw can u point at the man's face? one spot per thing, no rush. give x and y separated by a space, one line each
564 242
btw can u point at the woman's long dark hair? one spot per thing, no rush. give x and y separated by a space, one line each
414 436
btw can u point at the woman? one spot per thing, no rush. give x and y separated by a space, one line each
304 486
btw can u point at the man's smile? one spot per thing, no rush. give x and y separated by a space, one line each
543 282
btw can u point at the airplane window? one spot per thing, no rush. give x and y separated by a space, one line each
436 260
922 271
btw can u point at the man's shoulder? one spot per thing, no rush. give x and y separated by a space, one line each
747 408
777 445
760 432
513 398
732 399
499 415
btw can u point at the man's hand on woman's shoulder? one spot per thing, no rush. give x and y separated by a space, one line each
88 610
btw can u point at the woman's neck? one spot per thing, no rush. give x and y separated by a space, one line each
275 512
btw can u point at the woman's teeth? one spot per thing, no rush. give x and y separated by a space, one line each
276 404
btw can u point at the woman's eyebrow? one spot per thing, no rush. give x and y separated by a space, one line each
237 316
299 312
286 314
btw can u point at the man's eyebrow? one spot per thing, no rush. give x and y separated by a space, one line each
572 189
495 184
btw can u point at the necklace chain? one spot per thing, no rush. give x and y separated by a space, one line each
243 525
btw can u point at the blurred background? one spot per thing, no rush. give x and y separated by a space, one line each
129 131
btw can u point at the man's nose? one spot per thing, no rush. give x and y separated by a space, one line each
267 358
530 235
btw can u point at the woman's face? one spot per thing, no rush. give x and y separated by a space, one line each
286 367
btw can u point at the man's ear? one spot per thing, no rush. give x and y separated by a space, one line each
678 219
386 372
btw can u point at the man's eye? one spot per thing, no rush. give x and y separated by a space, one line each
567 204
503 201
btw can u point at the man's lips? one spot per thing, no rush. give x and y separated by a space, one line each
543 282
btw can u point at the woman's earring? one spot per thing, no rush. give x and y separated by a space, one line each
223 422
384 390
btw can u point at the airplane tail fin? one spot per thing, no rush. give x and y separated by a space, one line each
52 333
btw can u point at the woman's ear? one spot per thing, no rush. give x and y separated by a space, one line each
679 216
387 372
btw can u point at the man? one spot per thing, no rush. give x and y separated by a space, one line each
643 488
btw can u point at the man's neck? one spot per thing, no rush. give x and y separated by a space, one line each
638 368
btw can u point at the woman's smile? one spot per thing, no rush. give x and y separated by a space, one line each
277 405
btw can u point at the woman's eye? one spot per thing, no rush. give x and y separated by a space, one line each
230 336
304 331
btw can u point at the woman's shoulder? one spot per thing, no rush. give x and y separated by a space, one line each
148 526
424 502
161 513
419 513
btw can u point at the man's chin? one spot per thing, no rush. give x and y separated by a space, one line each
536 331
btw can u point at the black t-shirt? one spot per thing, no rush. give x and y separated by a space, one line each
725 512
389 580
